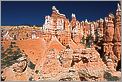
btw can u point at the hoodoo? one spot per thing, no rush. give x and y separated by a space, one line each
63 49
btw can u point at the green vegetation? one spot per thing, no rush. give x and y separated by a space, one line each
88 38
31 79
83 40
37 71
66 79
10 55
109 77
31 65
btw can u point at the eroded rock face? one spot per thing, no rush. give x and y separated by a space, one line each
117 48
111 46
18 71
11 75
109 31
19 68
118 24
90 67
59 50
108 40
73 21
51 66
66 58
117 35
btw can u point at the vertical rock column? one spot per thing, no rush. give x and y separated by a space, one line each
100 27
92 33
68 32
108 45
117 35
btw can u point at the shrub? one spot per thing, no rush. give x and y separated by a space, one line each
37 71
31 79
31 65
9 57
109 77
